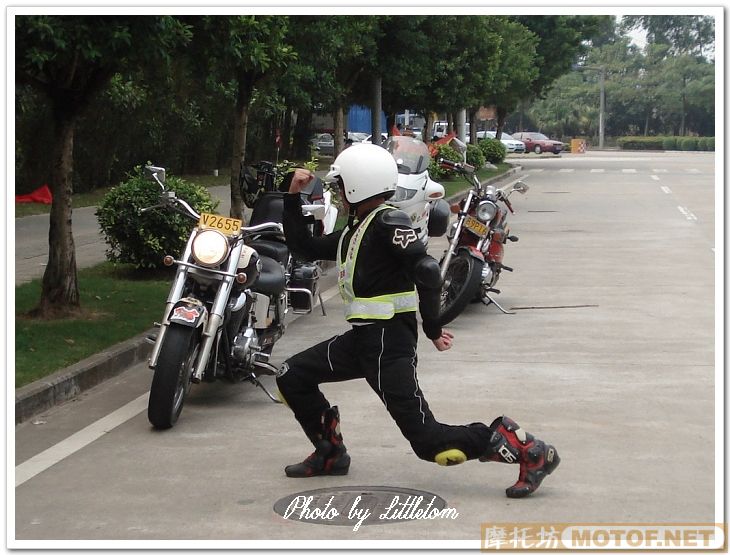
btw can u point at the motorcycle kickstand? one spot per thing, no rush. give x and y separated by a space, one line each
495 303
321 303
254 380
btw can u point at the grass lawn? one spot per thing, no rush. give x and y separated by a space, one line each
117 303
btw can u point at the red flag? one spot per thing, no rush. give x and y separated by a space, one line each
41 195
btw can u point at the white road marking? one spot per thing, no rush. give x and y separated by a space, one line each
666 190
693 170
655 177
600 170
630 170
537 170
46 459
566 170
687 214
660 170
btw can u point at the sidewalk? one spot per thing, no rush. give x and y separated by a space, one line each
67 383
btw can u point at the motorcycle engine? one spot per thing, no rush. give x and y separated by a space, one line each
245 344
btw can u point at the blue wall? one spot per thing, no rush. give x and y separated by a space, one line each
358 120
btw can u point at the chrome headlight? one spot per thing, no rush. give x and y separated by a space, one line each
210 248
486 211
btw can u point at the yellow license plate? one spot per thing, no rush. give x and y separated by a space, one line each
227 226
475 226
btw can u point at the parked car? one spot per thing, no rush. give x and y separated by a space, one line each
357 137
383 138
537 142
509 142
324 143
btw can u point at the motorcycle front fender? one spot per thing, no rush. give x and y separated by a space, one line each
473 252
189 312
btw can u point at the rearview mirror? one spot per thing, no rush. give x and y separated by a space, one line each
520 187
151 171
316 210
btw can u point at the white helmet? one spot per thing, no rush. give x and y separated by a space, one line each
366 171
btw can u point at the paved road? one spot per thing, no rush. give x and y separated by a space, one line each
610 356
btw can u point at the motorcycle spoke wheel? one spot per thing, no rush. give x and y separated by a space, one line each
171 382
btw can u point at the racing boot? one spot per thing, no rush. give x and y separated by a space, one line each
511 444
330 456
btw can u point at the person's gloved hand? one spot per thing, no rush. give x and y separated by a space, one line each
301 179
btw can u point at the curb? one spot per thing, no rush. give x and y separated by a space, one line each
491 181
67 383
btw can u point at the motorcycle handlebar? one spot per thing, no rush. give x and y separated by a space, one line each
460 167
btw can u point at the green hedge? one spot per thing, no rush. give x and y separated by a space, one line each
669 143
666 143
143 239
475 156
449 153
494 151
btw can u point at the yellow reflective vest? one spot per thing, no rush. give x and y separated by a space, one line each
382 307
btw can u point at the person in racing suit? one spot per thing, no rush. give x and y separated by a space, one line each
384 276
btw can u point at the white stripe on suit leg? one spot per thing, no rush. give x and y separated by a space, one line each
415 392
328 352
382 348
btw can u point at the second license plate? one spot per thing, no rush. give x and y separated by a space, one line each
475 226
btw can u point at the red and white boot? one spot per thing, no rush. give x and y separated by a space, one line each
511 444
330 457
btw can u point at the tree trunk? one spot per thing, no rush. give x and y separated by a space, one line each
240 127
339 138
473 126
501 118
682 123
646 124
428 127
301 147
286 134
377 108
60 289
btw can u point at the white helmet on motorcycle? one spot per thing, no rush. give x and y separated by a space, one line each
366 171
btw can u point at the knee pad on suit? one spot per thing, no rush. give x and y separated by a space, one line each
450 457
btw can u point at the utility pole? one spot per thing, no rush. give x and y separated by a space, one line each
602 102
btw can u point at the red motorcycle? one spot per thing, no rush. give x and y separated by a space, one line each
472 264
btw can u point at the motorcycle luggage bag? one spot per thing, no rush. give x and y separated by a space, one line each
304 276
438 218
271 279
268 208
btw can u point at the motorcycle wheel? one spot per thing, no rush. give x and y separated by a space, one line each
461 285
171 381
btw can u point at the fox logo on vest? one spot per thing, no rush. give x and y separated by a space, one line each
404 237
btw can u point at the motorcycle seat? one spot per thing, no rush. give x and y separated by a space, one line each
271 248
271 280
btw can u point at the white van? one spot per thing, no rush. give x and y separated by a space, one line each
440 127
